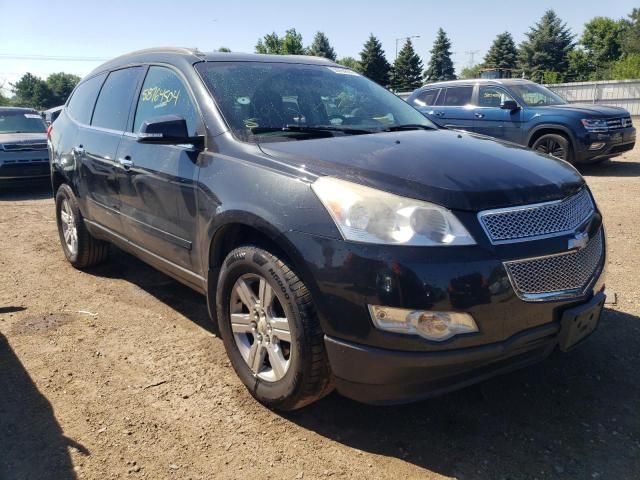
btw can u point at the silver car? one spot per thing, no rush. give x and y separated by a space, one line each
23 146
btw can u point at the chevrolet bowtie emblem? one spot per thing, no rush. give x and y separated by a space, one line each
579 241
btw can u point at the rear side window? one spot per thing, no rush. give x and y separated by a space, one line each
164 93
427 98
458 96
84 98
114 102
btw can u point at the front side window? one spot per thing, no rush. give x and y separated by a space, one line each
82 101
164 93
533 95
489 96
458 96
21 121
263 101
114 102
427 98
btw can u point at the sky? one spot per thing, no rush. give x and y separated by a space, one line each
90 31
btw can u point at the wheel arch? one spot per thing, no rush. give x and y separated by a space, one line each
554 128
235 229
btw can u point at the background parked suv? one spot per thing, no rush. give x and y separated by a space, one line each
23 146
529 114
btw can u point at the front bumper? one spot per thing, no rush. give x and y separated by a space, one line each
377 366
615 143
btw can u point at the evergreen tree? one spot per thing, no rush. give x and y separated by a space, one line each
292 43
373 63
440 65
546 48
406 74
631 37
224 50
321 47
503 53
270 43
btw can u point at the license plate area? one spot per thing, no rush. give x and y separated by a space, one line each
579 322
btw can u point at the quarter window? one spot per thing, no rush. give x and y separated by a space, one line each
427 98
114 102
81 104
458 96
489 96
164 93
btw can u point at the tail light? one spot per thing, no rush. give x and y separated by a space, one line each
49 130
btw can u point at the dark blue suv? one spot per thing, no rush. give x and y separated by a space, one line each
529 114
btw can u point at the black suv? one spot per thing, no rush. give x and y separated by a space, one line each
341 239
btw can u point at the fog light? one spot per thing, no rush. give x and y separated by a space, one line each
596 145
436 326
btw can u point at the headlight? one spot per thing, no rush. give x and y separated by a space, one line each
595 125
368 215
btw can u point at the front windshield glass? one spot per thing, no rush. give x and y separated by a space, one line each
19 121
282 101
533 95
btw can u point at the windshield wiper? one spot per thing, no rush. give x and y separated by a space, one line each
311 129
408 126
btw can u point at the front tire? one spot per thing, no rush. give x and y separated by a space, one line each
80 248
270 330
555 145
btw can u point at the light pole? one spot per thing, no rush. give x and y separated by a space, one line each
403 38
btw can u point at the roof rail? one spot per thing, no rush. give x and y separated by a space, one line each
184 50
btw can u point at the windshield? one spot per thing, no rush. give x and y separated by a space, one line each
281 101
533 95
20 121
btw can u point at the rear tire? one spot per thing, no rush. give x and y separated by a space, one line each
79 246
555 145
275 344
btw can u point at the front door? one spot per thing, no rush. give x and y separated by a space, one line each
494 121
157 182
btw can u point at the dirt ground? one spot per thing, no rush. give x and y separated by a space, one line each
114 373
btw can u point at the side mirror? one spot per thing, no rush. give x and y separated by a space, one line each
509 105
166 130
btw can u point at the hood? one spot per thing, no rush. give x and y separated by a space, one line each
457 170
22 137
590 110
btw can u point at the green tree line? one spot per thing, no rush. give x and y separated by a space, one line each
32 91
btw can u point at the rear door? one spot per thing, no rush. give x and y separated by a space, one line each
454 107
494 121
97 145
425 102
157 187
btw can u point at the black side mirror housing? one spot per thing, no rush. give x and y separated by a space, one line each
509 105
166 130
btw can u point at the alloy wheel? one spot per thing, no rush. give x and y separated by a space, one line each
69 229
260 327
551 147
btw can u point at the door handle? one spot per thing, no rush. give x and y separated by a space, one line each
125 162
478 115
439 114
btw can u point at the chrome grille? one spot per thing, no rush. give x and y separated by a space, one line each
616 123
21 147
557 276
531 221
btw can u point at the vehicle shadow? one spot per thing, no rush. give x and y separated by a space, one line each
572 416
28 191
611 168
184 300
32 444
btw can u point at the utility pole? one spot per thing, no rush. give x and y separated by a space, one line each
472 56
